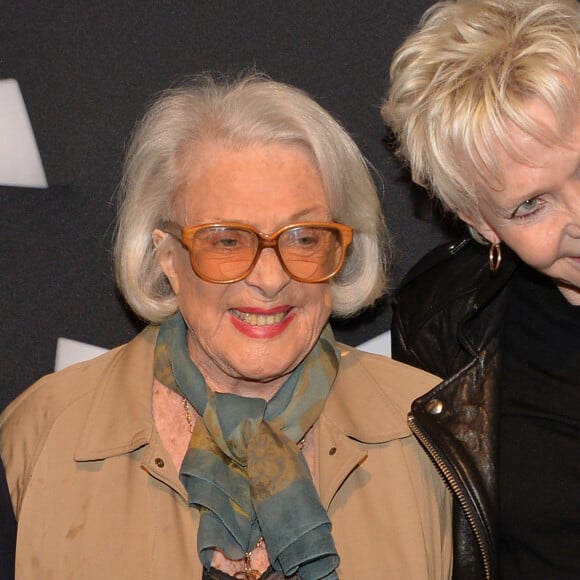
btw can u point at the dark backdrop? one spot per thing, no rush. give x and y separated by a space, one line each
87 71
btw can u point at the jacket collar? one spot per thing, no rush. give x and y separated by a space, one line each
120 418
493 283
481 324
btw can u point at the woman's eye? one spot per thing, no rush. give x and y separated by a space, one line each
302 238
529 207
306 240
227 242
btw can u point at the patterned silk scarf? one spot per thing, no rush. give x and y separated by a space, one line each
243 469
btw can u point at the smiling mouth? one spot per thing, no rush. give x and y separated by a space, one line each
259 319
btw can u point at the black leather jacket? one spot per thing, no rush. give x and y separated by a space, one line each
448 321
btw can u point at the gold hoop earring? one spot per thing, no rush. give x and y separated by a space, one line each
494 257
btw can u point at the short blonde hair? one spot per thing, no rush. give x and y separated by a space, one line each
252 109
463 80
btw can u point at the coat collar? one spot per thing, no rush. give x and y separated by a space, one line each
120 418
358 408
483 320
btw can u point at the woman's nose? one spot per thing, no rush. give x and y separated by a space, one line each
573 229
268 275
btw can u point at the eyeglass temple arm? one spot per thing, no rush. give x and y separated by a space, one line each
172 228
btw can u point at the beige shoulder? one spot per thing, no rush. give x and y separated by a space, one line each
26 423
401 382
42 402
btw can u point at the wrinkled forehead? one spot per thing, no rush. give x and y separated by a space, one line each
200 156
260 183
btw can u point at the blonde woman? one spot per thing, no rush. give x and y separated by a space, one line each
484 102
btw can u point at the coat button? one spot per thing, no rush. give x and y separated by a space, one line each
332 451
159 462
434 406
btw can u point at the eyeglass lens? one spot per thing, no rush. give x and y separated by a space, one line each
224 253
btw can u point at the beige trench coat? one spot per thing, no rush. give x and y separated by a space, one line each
97 497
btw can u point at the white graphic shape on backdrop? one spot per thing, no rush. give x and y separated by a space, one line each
69 351
380 344
20 163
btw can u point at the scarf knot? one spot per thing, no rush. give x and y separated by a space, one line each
234 433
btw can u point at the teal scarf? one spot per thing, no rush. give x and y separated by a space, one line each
243 469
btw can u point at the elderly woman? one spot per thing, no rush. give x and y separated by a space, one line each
233 438
485 100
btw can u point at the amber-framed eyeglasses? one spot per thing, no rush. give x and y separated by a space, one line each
227 252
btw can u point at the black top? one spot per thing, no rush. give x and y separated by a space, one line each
7 531
540 434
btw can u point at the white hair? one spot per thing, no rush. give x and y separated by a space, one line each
253 109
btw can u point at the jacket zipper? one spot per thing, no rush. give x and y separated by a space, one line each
456 490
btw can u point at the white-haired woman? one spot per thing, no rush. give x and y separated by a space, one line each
484 100
233 438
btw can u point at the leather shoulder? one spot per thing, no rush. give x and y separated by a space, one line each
457 259
445 275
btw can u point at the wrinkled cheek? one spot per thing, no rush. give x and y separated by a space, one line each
326 309
328 300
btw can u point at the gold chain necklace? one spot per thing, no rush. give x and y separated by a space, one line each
248 573
188 414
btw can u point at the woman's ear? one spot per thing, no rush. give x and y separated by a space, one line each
166 257
479 224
